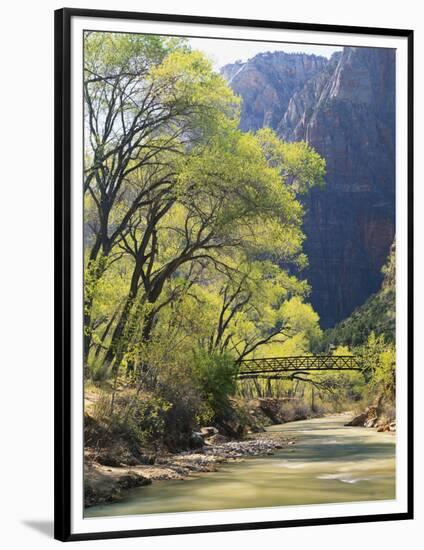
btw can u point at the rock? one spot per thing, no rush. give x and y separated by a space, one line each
216 439
131 480
267 82
196 440
358 420
368 419
255 430
232 427
147 459
106 485
208 431
108 459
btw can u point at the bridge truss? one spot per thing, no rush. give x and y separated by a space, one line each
284 367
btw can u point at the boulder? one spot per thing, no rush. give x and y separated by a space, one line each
207 431
217 439
358 420
106 485
368 419
370 423
196 440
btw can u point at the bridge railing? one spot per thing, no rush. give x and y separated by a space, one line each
308 363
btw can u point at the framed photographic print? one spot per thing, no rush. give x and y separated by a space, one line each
233 222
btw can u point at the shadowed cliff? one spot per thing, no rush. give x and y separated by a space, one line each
345 108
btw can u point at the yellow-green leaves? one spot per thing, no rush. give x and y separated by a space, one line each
300 165
379 357
110 52
191 217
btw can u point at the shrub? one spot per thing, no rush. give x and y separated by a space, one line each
177 386
144 419
215 377
302 411
137 418
98 371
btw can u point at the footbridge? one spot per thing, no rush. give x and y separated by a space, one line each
274 368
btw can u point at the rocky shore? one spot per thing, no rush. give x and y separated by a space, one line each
371 419
380 415
109 483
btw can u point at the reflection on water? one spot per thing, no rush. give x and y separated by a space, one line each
330 463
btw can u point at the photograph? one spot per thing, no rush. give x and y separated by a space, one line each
237 282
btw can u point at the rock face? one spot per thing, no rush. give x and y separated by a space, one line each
345 108
267 83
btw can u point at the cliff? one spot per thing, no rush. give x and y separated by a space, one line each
345 108
377 315
267 83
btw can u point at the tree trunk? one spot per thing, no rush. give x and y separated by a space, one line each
88 299
117 349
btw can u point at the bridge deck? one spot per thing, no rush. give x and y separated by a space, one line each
274 366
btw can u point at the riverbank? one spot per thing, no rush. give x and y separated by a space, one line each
329 463
380 415
105 484
114 463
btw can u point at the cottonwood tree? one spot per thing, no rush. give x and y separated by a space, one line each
145 96
227 198
249 308
171 184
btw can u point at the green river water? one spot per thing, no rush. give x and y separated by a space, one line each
329 463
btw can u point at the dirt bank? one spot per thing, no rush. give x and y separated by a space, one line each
109 483
114 464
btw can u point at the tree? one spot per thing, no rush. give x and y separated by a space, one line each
148 99
175 191
249 308
380 360
229 199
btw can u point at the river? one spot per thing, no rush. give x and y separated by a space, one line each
329 463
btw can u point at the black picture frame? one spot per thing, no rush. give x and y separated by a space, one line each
62 336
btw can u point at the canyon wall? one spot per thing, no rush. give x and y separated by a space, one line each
345 108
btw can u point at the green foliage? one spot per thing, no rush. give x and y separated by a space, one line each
301 166
188 221
215 376
144 419
98 371
108 53
380 359
370 333
349 385
140 419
